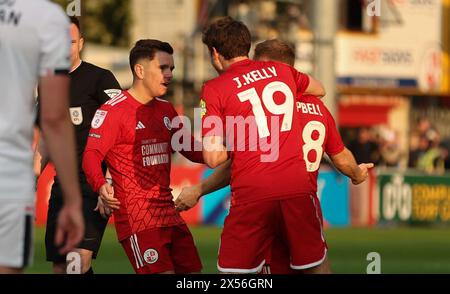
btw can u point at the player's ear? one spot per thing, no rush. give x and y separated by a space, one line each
139 71
214 54
81 44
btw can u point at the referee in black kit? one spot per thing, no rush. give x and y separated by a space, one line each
91 86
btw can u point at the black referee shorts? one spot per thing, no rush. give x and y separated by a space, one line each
95 224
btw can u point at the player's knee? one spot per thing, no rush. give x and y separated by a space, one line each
323 268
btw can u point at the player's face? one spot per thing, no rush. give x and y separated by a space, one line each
77 45
158 74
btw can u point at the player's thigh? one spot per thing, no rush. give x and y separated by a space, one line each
304 231
279 260
149 251
184 252
247 236
16 231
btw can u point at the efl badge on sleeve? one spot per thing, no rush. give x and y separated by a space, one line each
76 115
112 92
98 119
202 107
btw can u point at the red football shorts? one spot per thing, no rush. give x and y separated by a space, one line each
250 232
163 249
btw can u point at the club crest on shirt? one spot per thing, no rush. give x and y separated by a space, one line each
202 108
167 123
98 119
76 115
151 256
112 92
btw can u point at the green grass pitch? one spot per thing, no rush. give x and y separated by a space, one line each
402 250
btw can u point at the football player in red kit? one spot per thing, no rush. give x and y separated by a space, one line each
251 108
132 133
318 134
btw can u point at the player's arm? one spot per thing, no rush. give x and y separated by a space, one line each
103 135
315 87
57 129
345 162
180 131
307 84
214 151
192 155
341 157
219 179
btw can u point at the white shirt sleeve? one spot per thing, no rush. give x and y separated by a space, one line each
55 42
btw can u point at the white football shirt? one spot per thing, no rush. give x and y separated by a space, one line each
34 42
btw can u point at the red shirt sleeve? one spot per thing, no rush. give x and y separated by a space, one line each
104 133
301 80
192 154
333 144
212 116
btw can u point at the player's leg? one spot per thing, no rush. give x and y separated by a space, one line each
16 230
247 237
52 251
323 268
95 226
184 253
149 251
280 259
303 224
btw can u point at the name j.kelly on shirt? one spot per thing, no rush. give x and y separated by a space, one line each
255 75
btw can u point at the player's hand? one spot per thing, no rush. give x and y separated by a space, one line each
363 173
188 198
106 192
104 210
70 227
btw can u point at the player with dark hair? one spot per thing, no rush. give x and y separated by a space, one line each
133 133
263 95
319 134
34 49
91 86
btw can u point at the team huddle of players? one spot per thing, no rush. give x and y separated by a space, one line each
275 218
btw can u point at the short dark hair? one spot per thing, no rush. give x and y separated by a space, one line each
74 20
146 49
230 37
277 50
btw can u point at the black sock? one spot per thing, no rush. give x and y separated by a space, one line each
90 271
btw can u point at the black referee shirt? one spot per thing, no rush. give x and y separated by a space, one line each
90 87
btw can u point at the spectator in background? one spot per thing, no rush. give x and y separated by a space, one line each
389 147
364 147
414 149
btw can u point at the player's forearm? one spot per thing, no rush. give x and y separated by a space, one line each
92 167
345 162
60 138
219 179
315 88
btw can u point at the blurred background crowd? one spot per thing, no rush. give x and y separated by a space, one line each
389 86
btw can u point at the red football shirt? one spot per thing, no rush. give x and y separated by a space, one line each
319 134
259 98
135 141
